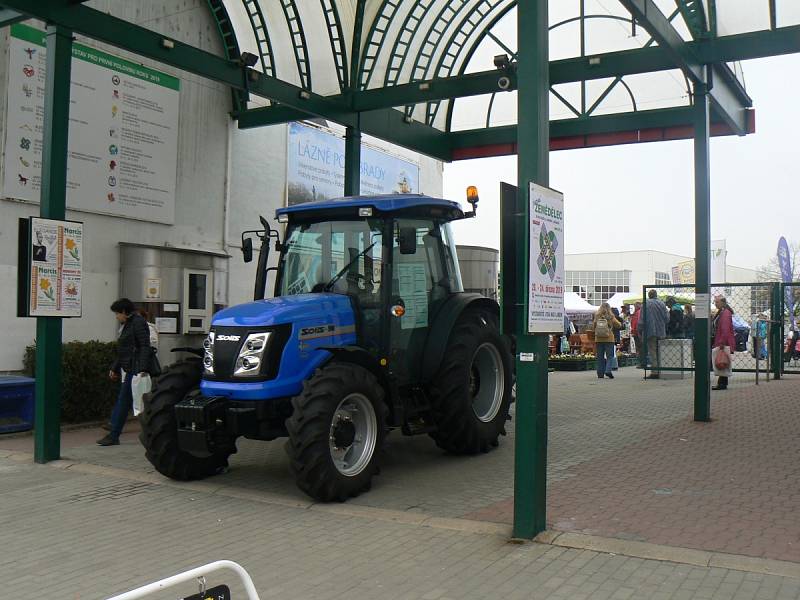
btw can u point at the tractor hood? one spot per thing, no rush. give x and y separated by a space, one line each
323 307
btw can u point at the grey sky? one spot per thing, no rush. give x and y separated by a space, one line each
641 196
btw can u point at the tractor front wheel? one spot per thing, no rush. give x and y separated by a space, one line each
472 391
159 434
336 432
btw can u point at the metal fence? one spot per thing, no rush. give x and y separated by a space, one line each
790 331
752 304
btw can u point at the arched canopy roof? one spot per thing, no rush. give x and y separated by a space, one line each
439 76
338 46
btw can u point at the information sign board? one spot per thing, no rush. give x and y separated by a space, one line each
546 260
123 131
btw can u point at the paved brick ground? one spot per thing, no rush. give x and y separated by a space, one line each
78 535
625 460
731 485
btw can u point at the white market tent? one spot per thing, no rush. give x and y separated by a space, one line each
618 299
575 304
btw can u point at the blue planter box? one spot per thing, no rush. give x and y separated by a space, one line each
16 403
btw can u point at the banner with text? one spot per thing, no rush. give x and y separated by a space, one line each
546 260
123 131
316 168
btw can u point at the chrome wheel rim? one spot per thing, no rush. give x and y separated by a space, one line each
486 382
353 434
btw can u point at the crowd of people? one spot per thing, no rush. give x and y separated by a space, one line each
639 331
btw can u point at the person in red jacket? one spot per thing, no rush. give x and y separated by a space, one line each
724 340
637 340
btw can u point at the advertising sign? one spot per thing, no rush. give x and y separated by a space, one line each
546 260
785 265
316 168
123 131
50 268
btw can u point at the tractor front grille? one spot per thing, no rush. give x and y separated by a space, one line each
228 343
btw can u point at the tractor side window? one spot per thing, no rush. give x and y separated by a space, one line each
422 277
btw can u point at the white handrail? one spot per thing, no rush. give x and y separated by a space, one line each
140 592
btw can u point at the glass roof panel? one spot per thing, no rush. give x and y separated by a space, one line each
788 13
740 16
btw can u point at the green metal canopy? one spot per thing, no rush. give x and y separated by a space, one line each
439 76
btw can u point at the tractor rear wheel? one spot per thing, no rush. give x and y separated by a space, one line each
336 431
472 391
159 434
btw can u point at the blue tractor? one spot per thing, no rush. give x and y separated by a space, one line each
369 330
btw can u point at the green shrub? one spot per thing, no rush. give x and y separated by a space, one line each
88 393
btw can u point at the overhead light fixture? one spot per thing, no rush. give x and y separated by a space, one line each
594 60
501 61
247 59
408 118
304 94
167 43
425 86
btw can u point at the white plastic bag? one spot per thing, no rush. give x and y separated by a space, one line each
140 385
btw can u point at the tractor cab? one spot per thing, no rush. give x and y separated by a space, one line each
394 257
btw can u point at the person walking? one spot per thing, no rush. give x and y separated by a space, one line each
603 325
617 338
652 327
724 342
133 357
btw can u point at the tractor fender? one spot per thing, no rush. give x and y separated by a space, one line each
357 356
443 324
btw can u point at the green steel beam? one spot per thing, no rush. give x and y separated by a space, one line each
694 14
47 427
649 16
144 42
748 46
727 95
387 124
352 162
530 450
702 252
9 17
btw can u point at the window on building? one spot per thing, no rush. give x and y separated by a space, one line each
663 278
598 286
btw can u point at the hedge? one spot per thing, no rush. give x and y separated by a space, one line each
88 393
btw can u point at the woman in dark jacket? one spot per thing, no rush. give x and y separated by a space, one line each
133 357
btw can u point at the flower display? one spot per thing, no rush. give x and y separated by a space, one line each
47 288
72 248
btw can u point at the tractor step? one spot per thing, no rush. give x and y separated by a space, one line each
417 426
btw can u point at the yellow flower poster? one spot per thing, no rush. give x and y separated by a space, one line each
56 268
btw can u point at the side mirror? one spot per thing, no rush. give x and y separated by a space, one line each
247 249
408 240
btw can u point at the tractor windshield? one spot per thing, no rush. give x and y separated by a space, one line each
344 256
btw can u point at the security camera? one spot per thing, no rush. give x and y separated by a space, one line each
504 82
501 61
247 59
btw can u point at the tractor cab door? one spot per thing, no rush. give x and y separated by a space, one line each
424 275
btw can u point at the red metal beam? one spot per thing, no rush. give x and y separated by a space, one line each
596 140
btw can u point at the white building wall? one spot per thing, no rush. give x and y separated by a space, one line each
224 175
643 266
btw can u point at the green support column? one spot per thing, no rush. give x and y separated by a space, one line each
352 162
702 253
47 437
533 139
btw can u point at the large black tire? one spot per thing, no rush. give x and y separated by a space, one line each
159 434
470 414
324 432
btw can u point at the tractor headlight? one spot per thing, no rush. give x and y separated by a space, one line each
248 364
208 353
